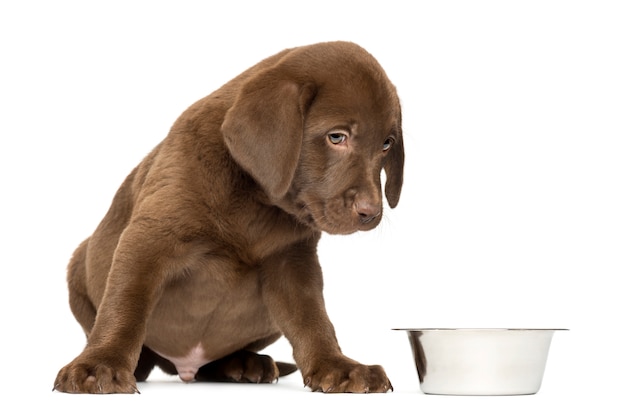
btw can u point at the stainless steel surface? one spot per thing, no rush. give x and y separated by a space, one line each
480 361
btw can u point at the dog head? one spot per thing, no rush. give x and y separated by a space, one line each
315 129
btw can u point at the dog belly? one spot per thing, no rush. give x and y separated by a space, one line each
188 365
203 318
192 347
188 354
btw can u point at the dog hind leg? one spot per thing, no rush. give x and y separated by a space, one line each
81 306
244 366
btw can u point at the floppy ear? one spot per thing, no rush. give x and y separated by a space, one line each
263 129
394 170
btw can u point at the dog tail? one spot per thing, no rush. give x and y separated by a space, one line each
285 368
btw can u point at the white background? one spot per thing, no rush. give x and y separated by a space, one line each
512 214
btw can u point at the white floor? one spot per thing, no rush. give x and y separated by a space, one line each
566 387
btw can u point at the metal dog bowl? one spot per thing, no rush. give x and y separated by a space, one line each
480 361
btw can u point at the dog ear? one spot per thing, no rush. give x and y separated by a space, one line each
263 129
394 169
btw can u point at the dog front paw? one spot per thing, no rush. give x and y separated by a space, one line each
95 376
348 376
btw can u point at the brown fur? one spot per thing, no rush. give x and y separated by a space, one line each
208 251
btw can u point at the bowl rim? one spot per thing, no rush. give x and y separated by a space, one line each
478 329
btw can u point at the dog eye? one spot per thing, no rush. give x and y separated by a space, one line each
387 144
337 138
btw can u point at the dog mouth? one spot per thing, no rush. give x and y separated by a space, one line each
321 216
365 219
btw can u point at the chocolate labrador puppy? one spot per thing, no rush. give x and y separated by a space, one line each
208 251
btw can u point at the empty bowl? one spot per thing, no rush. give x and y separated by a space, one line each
480 361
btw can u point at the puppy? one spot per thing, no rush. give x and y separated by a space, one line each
208 251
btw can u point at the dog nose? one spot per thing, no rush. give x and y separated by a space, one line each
367 211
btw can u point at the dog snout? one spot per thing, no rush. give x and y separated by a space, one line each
367 210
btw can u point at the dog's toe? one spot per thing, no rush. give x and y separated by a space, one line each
350 377
85 378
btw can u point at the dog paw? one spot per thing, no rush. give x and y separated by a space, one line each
349 377
241 366
90 377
